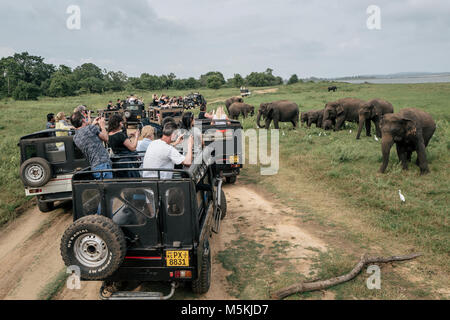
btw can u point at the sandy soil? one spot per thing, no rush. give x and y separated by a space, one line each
30 258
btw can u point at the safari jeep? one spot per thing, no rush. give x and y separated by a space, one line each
156 115
47 163
227 142
134 113
145 229
193 100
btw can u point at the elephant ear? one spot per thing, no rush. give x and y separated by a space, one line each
339 109
410 126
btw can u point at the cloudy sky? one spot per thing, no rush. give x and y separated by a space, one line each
322 38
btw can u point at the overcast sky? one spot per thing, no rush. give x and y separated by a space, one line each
322 38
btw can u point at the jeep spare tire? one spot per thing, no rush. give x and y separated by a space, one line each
35 172
96 245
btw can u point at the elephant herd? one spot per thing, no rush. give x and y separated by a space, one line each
409 129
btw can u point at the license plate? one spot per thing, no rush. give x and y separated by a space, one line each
177 258
234 159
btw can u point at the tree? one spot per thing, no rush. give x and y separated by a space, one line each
214 82
115 81
61 85
218 75
26 91
192 83
237 81
293 79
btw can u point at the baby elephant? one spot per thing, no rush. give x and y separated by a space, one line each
238 108
411 130
312 116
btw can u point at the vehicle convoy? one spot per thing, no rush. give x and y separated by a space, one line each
47 163
148 229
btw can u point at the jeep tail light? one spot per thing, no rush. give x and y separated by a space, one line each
182 274
35 190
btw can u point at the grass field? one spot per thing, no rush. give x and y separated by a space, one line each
335 163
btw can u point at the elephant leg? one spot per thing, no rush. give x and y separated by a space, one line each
368 127
422 157
401 152
309 123
360 126
377 128
268 120
408 156
294 123
275 123
339 123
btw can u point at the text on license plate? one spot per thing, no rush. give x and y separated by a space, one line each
177 258
234 159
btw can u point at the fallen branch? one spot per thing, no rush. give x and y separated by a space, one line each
319 285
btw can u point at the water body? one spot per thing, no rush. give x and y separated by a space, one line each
422 79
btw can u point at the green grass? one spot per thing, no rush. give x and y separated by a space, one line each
336 163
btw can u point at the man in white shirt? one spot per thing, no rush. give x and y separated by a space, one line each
161 154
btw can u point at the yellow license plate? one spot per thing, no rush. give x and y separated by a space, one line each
177 258
234 159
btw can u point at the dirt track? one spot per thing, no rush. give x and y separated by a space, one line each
30 259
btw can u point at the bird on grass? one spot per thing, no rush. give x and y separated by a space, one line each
402 197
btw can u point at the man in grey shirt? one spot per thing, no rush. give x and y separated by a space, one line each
88 138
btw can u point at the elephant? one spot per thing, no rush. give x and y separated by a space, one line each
232 100
373 110
346 109
304 117
411 130
238 108
278 111
312 116
332 88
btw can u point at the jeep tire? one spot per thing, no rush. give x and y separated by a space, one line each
45 206
95 244
231 179
35 172
223 204
203 282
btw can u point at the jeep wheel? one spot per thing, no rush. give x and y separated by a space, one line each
95 244
35 172
202 283
223 204
45 206
231 179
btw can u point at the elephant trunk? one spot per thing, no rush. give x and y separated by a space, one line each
258 120
386 144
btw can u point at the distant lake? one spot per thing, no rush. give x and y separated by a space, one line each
423 79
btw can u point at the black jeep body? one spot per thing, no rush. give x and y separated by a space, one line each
145 229
47 163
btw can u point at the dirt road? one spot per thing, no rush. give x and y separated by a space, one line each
30 258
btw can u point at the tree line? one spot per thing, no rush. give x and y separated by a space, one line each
26 77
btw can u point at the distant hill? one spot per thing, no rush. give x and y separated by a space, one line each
394 75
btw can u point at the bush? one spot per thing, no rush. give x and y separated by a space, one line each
26 91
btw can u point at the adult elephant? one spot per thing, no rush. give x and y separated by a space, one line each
346 109
239 108
232 100
411 130
373 110
278 111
